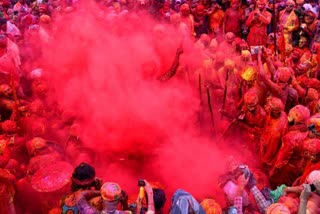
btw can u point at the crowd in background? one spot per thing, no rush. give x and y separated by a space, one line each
261 63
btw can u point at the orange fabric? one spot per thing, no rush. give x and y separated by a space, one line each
216 19
289 23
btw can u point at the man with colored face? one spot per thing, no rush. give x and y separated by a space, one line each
216 19
201 21
275 128
294 58
258 21
291 159
187 18
308 27
233 19
251 119
288 21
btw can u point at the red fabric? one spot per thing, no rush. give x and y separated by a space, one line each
4 157
307 171
273 132
258 29
290 161
257 118
233 19
9 126
26 203
6 191
282 45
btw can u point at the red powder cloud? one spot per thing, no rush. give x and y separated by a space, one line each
137 126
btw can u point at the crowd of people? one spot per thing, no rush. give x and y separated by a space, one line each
260 71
